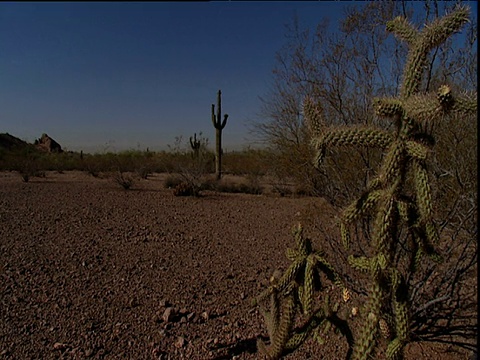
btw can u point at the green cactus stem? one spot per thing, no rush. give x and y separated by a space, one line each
218 124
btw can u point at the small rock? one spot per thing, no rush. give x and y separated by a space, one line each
180 342
183 311
190 316
168 314
59 346
88 353
205 315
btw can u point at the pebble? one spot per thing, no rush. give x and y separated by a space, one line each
60 346
168 314
180 342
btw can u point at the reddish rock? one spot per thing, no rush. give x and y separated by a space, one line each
47 144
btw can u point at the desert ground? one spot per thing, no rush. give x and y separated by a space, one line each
91 271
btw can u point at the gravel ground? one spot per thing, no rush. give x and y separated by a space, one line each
89 270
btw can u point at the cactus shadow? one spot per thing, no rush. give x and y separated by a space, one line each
237 348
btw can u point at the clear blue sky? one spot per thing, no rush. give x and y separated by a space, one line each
121 75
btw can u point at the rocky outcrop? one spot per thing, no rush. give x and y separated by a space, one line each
47 144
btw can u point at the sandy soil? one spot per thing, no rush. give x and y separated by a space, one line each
89 270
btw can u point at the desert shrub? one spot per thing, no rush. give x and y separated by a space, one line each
252 186
25 176
190 165
143 163
27 173
171 181
125 180
94 164
143 171
186 189
64 161
28 163
247 161
281 187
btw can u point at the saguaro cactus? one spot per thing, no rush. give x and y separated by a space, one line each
219 125
400 196
195 145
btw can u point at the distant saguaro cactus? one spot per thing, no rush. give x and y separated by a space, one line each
195 145
219 125
400 196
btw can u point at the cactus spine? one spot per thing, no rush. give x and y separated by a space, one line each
218 124
388 196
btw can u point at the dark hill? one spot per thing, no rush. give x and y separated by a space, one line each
44 144
9 142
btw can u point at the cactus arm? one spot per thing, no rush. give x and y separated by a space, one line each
387 107
366 344
224 122
361 136
441 29
432 35
402 29
214 119
281 334
219 106
313 116
465 105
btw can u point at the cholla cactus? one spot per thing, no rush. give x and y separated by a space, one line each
295 290
386 197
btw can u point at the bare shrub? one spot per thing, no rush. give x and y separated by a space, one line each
123 179
191 166
186 189
250 186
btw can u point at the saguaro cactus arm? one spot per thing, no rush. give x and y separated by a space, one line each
216 120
